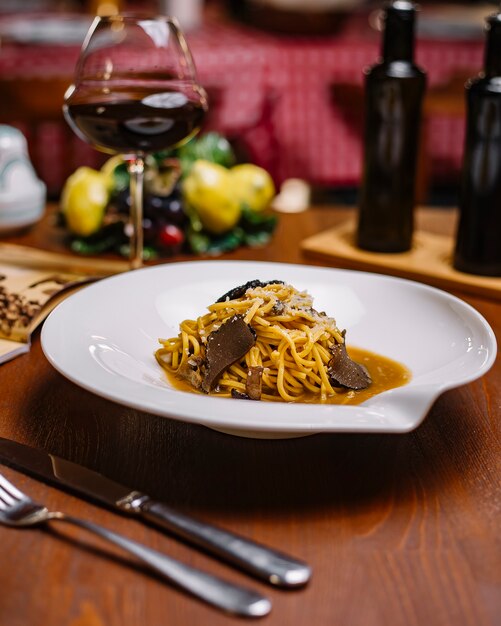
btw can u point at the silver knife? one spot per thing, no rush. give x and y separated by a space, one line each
263 562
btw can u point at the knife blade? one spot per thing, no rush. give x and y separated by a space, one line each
257 559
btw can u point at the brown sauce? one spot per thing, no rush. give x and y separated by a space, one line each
385 373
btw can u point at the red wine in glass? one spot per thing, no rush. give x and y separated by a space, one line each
135 93
137 123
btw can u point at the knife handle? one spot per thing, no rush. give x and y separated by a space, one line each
265 563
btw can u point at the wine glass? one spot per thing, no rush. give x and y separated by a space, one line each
135 92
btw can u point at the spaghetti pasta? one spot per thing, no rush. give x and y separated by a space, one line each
290 356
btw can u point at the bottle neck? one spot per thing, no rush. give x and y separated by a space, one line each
398 40
492 63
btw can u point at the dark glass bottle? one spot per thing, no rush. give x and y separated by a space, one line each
394 90
478 244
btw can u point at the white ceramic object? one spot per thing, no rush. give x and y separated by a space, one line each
45 29
103 338
22 194
189 13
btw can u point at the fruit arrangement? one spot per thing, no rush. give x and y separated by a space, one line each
196 200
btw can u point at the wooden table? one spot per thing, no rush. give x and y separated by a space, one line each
399 529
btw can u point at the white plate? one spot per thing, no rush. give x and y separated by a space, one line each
103 338
45 29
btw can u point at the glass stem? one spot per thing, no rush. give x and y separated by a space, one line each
136 173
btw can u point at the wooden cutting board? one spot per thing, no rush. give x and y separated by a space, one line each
429 260
27 296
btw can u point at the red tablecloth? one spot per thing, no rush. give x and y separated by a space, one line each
285 96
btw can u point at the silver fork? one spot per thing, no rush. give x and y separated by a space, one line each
17 509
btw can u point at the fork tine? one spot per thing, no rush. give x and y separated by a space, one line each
3 504
10 490
7 498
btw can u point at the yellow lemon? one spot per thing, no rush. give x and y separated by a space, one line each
108 170
83 200
109 165
253 185
209 190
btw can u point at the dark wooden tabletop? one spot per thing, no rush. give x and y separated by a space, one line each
399 529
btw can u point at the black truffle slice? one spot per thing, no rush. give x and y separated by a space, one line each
190 371
238 292
345 372
227 344
254 382
238 395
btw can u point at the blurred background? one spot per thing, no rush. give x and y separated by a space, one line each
284 78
